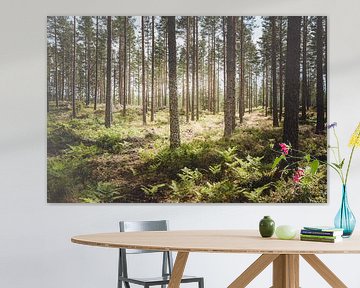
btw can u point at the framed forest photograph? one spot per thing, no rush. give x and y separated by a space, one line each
186 109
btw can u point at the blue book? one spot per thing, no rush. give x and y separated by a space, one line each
322 231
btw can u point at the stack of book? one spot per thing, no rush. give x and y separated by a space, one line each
321 234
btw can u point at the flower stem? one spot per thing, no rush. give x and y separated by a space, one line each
348 166
338 145
350 159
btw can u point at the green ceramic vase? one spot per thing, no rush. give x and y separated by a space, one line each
267 227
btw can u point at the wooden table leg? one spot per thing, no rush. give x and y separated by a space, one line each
286 271
293 264
253 270
324 271
178 270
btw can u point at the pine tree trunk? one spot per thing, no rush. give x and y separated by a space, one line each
74 71
56 65
114 82
129 96
108 76
138 78
174 113
224 52
143 70
166 70
193 71
214 96
187 98
218 87
242 70
63 76
183 93
88 72
209 76
197 66
266 88
230 77
273 72
292 83
325 59
96 61
310 77
125 66
152 66
263 87
320 120
48 81
250 90
304 90
281 96
121 76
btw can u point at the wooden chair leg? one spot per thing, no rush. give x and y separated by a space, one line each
178 269
253 270
324 271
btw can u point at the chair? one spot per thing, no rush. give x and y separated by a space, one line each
167 262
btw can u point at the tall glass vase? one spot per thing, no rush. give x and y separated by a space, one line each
345 219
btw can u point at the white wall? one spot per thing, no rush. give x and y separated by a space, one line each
35 248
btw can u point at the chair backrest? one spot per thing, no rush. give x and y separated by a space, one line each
134 226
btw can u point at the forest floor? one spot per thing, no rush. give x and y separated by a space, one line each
130 162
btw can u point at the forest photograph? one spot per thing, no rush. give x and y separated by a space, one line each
186 109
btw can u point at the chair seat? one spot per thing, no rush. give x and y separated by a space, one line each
158 280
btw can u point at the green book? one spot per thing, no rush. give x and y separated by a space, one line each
325 240
319 236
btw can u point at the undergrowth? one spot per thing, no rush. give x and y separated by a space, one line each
205 168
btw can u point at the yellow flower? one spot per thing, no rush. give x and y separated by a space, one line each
355 138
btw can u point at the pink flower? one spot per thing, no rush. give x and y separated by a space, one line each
298 175
284 148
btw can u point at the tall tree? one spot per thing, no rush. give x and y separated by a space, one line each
144 104
174 113
152 66
125 64
292 82
230 77
56 64
273 72
193 71
320 120
108 76
325 57
48 80
281 68
304 86
121 58
187 98
197 66
266 87
74 70
88 30
96 61
213 58
242 70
